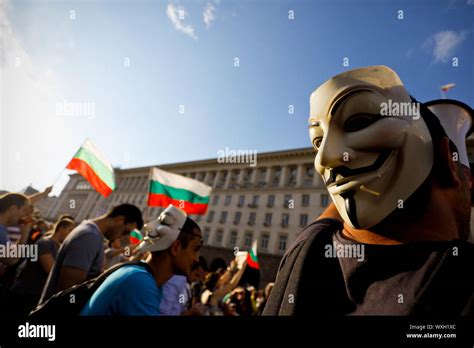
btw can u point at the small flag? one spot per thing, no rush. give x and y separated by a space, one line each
252 260
447 87
167 188
135 237
90 162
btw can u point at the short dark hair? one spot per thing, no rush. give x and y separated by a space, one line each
66 216
130 212
10 199
63 223
188 231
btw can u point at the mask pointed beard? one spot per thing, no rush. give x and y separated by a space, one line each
350 205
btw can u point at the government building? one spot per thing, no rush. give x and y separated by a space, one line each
269 201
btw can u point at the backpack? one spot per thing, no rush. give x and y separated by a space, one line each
70 302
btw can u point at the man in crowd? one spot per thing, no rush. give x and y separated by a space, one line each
81 256
174 241
394 241
15 209
27 288
177 296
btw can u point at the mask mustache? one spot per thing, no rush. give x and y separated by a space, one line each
346 172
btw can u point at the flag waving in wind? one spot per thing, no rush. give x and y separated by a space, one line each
167 188
91 163
252 260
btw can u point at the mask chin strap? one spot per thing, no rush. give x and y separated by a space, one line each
350 205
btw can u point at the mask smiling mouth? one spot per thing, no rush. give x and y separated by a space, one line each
342 175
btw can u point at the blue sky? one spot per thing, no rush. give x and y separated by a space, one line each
136 62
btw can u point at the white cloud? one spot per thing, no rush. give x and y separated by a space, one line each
208 14
444 43
177 16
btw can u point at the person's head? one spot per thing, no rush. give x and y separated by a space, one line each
14 207
122 219
62 228
115 243
377 148
184 251
198 271
174 236
66 216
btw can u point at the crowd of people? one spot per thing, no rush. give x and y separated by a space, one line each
163 275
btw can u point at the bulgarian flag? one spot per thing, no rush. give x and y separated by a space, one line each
91 163
252 260
135 237
167 188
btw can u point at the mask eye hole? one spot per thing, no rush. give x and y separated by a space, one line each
317 142
359 121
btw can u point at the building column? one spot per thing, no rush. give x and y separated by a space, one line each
284 176
299 175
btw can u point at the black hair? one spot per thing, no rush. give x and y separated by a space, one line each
188 232
130 212
12 199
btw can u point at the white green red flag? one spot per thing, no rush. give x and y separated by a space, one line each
252 260
135 237
167 188
91 163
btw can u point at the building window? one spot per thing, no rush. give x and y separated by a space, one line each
324 200
237 217
207 232
254 203
210 178
292 177
241 201
276 177
287 201
282 243
219 235
222 179
223 217
232 239
303 220
234 177
248 239
264 241
308 175
200 176
305 200
285 220
215 200
262 173
228 199
247 177
210 216
197 218
192 175
268 219
252 218
271 201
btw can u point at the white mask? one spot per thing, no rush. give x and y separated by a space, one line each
371 164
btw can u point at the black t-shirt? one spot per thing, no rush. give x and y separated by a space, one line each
325 274
32 278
